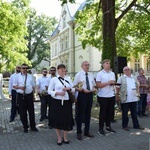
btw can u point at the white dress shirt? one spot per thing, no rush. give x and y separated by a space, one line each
56 86
81 77
11 80
20 81
42 83
103 76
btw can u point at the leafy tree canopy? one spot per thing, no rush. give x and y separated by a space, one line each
39 31
132 31
12 31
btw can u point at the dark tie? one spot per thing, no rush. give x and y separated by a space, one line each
87 82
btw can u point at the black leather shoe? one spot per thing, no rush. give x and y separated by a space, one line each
79 136
101 132
110 129
34 129
89 135
66 142
25 130
11 120
141 128
126 129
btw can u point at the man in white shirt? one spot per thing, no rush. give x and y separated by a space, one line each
42 91
12 95
24 86
84 99
106 96
128 91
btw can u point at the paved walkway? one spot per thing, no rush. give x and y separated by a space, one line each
12 136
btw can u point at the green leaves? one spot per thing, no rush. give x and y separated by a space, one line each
39 31
12 32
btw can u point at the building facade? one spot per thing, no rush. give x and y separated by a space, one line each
65 46
67 49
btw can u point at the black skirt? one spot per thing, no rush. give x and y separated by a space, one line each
61 116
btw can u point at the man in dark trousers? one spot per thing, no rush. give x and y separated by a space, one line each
12 95
84 99
24 86
42 92
52 73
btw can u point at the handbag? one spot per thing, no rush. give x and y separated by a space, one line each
72 98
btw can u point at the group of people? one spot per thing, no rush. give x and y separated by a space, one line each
53 92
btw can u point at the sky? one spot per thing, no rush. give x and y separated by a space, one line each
50 8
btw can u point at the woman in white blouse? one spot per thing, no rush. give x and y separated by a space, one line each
61 109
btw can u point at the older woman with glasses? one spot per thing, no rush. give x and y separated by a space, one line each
61 109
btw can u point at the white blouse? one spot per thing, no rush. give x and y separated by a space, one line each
56 86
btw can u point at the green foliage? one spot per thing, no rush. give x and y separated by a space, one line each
39 31
12 31
132 31
89 26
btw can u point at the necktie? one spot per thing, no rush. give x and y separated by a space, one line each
87 82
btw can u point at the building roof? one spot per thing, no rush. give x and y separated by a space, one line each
73 9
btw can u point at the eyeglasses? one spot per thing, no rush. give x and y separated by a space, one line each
45 71
86 64
25 68
52 70
18 67
126 69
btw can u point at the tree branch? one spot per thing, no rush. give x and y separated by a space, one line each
125 11
143 8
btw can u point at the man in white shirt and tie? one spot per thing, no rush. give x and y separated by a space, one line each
84 99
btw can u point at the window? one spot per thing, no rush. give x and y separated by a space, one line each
148 65
137 65
66 42
62 44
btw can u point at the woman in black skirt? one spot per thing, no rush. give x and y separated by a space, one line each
61 117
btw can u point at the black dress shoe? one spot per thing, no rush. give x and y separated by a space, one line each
25 130
101 132
126 129
34 129
110 129
79 136
66 142
11 120
89 135
141 128
59 143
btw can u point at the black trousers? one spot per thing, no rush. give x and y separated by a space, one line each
49 105
44 105
106 111
83 111
26 104
14 107
125 107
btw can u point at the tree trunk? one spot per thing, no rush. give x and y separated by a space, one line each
109 27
